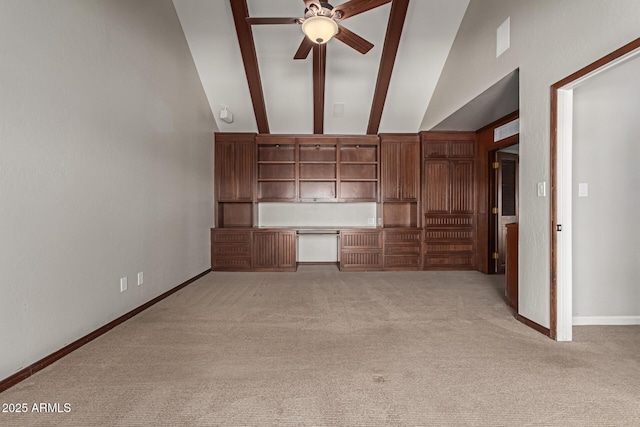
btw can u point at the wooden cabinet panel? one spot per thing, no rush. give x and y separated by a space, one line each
390 172
225 171
234 179
265 249
449 200
287 249
461 179
436 186
244 165
402 249
511 266
361 250
410 171
400 164
230 250
274 250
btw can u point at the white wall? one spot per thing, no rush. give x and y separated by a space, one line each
550 39
105 167
606 153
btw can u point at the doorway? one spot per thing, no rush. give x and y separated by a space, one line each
562 185
504 201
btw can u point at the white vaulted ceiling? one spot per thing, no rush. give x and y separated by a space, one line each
429 30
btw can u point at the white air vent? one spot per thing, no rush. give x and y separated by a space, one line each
503 37
505 131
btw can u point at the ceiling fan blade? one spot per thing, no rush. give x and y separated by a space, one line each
271 21
353 40
304 49
356 7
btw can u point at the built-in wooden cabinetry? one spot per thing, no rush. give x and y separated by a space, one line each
400 180
424 184
449 200
231 249
317 169
511 266
358 169
274 250
402 248
234 179
361 250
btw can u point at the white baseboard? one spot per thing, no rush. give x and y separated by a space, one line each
605 320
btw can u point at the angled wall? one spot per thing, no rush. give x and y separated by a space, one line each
106 146
550 39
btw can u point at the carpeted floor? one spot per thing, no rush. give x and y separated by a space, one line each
324 348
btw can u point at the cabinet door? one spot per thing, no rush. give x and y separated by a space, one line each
410 171
461 182
287 249
265 249
436 186
234 171
243 167
391 154
225 171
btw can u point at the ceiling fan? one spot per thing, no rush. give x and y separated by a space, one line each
321 22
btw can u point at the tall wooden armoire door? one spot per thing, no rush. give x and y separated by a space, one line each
507 201
225 171
410 171
244 165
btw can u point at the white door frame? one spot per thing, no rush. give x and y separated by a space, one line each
563 138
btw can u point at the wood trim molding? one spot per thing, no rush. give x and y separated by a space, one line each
553 142
319 79
53 357
533 325
387 61
240 12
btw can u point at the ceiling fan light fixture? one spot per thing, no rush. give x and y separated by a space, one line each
319 29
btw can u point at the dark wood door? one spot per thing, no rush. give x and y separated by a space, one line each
507 201
287 249
225 171
244 159
265 249
234 171
410 171
390 168
461 186
436 186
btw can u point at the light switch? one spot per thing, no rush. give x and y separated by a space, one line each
542 189
583 189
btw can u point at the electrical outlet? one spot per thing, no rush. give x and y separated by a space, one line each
140 278
123 284
371 221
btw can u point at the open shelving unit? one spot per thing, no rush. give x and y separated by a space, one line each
318 175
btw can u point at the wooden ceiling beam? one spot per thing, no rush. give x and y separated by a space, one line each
389 51
240 12
319 79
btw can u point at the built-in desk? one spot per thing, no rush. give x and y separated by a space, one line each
282 248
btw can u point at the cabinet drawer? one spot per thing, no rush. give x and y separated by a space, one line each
360 240
448 262
360 260
413 249
233 249
402 236
228 236
230 263
448 247
404 262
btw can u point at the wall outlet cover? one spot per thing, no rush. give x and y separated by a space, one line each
123 284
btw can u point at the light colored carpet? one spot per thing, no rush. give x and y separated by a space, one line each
324 348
